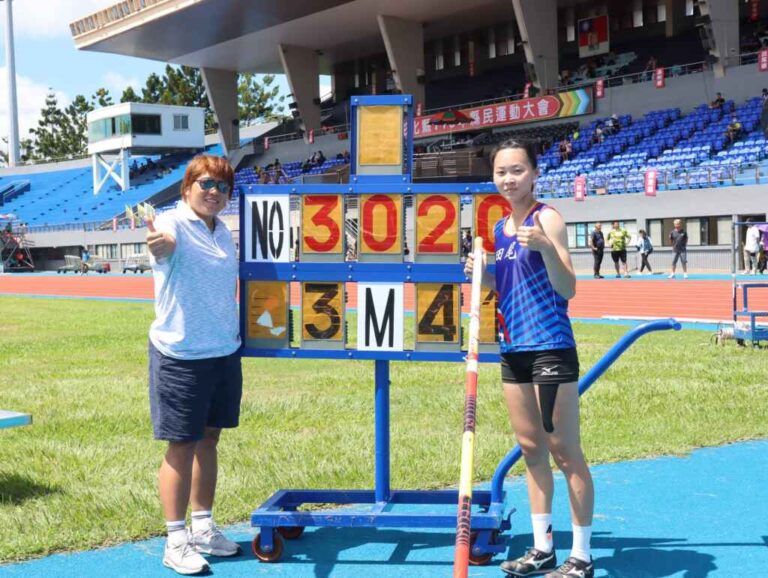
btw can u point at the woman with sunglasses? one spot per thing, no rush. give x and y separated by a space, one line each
195 378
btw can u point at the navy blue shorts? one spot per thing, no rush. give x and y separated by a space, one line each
186 396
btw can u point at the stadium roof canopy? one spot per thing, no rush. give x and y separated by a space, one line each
243 35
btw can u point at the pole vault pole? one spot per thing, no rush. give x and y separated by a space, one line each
464 516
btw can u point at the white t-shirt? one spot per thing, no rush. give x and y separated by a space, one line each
752 243
195 289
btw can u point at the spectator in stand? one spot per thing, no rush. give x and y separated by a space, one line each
645 248
597 138
718 102
347 157
612 125
764 113
591 68
320 158
751 248
617 241
565 77
650 67
733 131
565 149
597 244
678 238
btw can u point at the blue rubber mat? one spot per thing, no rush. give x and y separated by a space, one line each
700 516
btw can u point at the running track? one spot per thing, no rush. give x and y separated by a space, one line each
696 298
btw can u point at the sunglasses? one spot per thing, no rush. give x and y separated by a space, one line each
208 184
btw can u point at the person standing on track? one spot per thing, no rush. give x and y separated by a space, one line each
678 238
534 280
617 240
645 248
195 377
597 244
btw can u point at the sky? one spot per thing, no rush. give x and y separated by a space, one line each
46 59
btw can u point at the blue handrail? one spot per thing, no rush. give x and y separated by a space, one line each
584 384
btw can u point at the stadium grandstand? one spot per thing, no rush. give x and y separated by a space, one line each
611 91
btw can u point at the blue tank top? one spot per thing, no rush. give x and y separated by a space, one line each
532 315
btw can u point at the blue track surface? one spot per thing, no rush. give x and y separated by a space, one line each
701 516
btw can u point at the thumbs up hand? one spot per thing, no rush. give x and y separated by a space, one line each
534 238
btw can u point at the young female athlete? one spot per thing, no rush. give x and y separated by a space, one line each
534 280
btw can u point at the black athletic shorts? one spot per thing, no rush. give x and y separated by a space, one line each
619 256
553 366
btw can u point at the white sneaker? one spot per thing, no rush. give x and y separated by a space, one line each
685 275
671 276
184 559
211 541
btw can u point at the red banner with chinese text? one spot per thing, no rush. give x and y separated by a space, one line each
762 60
600 88
651 182
579 188
659 78
539 108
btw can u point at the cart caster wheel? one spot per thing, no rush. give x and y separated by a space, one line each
482 559
272 556
290 532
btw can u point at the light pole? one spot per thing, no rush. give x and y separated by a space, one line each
10 67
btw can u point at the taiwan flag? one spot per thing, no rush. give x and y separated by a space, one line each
593 36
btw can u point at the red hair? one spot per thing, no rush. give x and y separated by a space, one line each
216 167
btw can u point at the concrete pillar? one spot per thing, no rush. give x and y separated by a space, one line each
404 41
221 88
302 69
724 26
675 16
537 22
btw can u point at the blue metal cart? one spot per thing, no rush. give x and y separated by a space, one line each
745 320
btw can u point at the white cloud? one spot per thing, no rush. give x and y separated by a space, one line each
116 83
51 18
30 97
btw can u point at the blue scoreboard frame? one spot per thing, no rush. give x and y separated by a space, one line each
278 517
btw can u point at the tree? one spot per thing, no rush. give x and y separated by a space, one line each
27 149
152 89
102 97
52 125
76 140
129 95
258 100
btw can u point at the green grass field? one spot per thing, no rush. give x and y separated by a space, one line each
84 474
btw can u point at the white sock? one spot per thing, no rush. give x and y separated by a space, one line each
202 520
542 532
177 533
581 538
